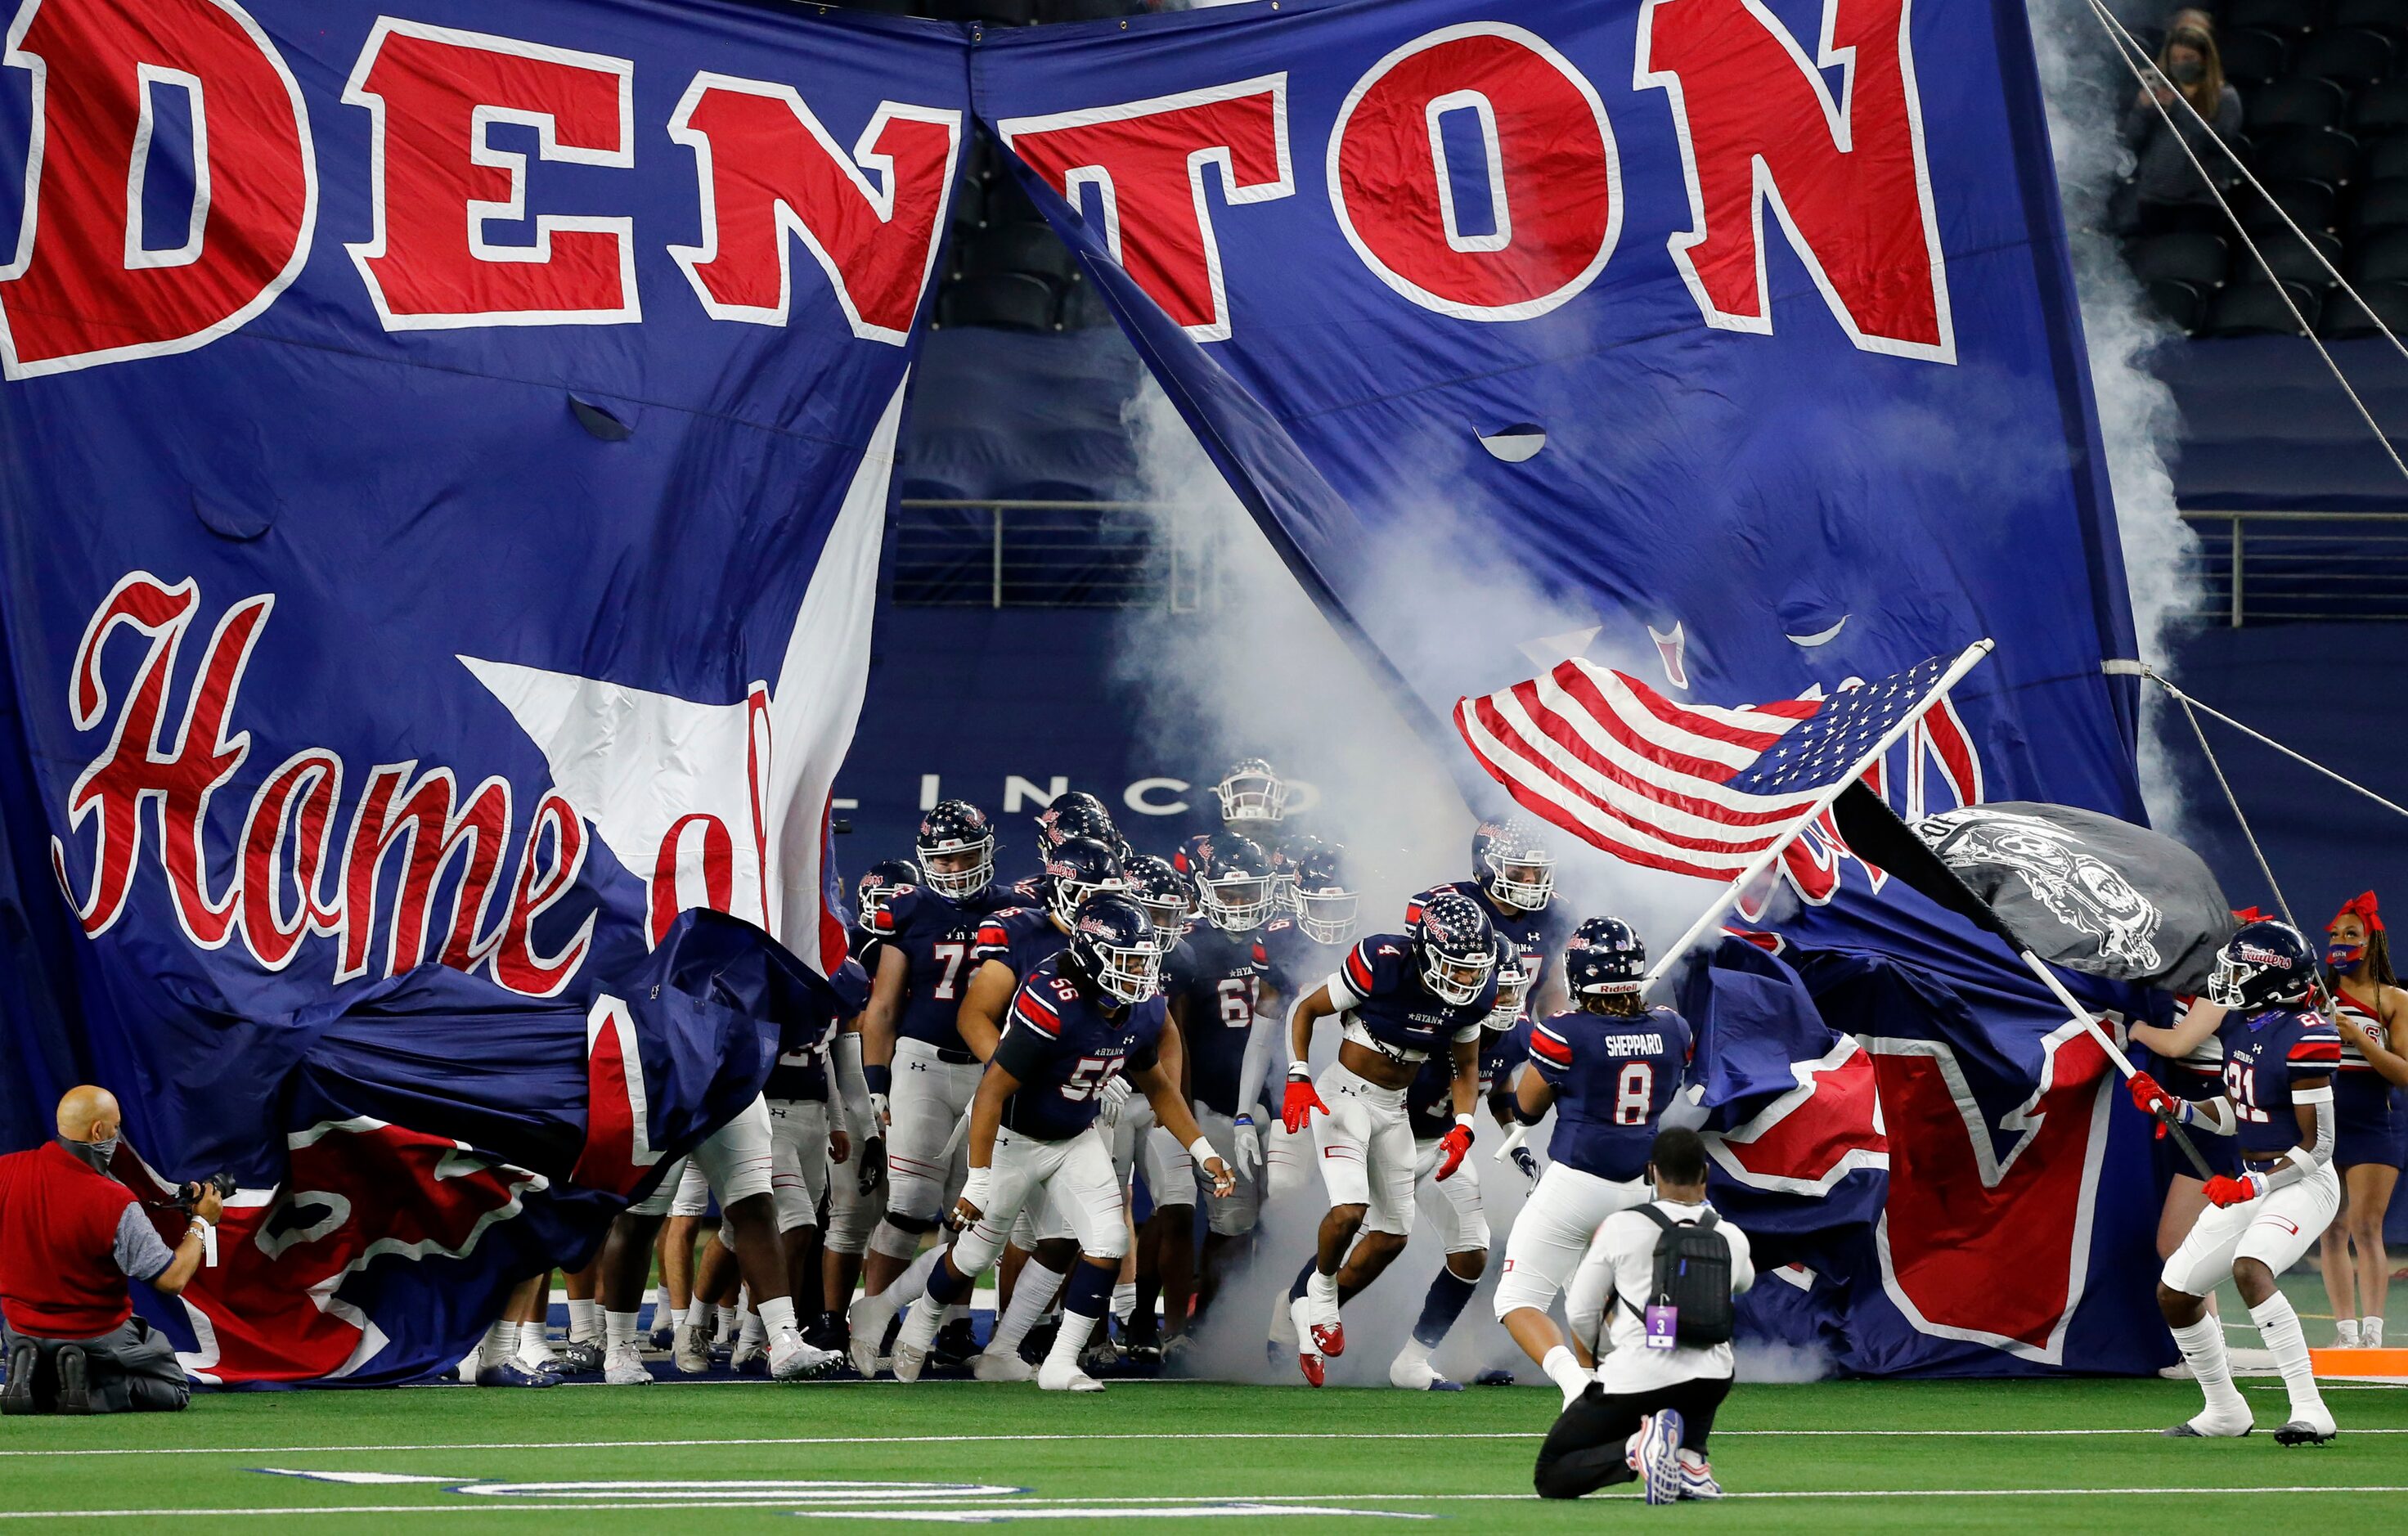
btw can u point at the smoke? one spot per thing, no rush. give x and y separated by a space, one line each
2086 87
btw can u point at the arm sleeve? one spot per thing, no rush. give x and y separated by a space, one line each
852 1082
140 1254
2321 1154
1254 1067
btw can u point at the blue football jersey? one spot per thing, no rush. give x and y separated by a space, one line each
2264 1054
1062 1047
1540 935
1387 997
1212 980
1501 1054
937 938
801 1071
1613 1077
1020 937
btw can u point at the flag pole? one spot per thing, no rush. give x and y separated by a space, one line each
1965 662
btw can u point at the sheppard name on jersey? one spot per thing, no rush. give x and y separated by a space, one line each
1634 1045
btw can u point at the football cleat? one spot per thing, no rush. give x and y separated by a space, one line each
1330 1338
2204 1428
1308 1358
1698 1477
1064 1378
1001 1366
1412 1370
752 1348
956 1344
24 1359
793 1360
661 1339
1493 1378
2301 1432
867 1320
622 1367
693 1349
919 1335
580 1358
75 1380
515 1372
1660 1456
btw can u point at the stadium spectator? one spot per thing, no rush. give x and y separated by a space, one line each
72 1239
2371 1013
2167 192
1647 1416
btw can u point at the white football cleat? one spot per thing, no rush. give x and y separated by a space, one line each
691 1349
867 1320
1005 1366
1413 1370
1698 1477
793 1360
622 1367
751 1344
918 1337
1063 1378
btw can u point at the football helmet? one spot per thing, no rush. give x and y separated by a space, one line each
2263 965
1511 861
1167 896
1513 985
1604 959
877 884
951 829
1234 883
1112 947
1327 908
1075 814
1077 868
1455 945
1251 792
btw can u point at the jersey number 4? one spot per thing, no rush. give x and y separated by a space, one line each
1634 1093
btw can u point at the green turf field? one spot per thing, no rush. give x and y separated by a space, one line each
1842 1456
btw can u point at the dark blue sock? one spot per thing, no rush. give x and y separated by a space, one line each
1088 1292
1443 1305
945 1287
1303 1276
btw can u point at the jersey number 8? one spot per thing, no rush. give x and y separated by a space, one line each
1634 1093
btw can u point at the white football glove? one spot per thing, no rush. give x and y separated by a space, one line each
1246 1155
1110 1097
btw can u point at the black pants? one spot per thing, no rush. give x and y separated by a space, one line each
1585 1451
131 1368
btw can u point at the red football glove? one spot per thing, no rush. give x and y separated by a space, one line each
1297 1108
2225 1190
2152 1099
1451 1148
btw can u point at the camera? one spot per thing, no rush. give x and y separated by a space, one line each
188 1195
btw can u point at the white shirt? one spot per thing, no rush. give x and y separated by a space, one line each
1625 1243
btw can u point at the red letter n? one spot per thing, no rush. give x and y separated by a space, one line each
1758 128
770 171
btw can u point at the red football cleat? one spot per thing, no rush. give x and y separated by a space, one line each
1330 1340
1312 1367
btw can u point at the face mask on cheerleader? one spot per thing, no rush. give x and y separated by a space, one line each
2344 957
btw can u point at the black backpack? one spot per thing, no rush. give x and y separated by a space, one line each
1692 1273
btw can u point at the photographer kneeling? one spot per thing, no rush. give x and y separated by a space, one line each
71 1240
1669 1269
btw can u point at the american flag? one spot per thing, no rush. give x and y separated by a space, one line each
1686 787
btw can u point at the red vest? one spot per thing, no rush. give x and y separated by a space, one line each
59 1277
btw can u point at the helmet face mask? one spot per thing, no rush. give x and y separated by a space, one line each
1251 792
1328 916
1077 868
1235 887
1456 947
2263 965
1165 893
1512 863
878 885
1113 947
957 848
1513 988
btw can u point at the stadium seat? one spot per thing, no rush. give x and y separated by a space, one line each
2199 260
2289 17
1033 249
2383 205
2388 17
1008 201
2177 303
2380 109
2309 204
2380 258
2295 101
2307 154
2257 308
2351 55
2347 319
2252 57
969 202
2292 260
1083 310
2386 160
1004 301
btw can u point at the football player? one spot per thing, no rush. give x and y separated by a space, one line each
1514 880
1252 799
1609 1070
856 1183
918 1070
2279 1061
1399 999
1078 1019
1323 911
808 1138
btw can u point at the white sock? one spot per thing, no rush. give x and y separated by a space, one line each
1071 1341
1125 1301
726 1324
1035 1290
1564 1369
1322 1288
1414 1349
664 1310
913 1284
534 1346
697 1314
584 1321
501 1341
618 1327
2279 1324
778 1314
2202 1345
2370 1332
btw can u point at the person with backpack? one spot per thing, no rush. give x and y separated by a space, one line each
1671 1267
